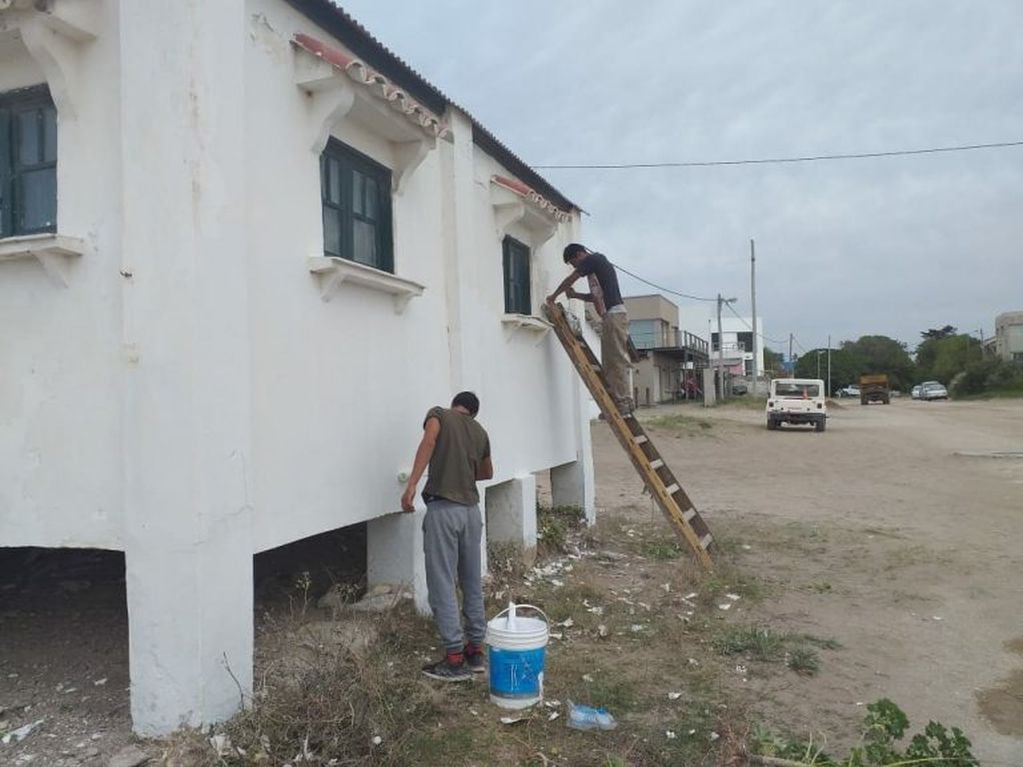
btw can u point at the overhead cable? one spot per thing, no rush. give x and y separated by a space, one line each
780 160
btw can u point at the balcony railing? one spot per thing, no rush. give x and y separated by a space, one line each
669 339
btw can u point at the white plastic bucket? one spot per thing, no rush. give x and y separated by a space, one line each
517 646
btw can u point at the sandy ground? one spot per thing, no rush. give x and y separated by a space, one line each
892 532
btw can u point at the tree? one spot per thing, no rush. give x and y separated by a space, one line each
881 354
938 333
772 360
944 358
846 366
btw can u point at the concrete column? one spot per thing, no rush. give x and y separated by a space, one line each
186 412
394 554
709 388
511 514
572 484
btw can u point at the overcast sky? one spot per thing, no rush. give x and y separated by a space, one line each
886 246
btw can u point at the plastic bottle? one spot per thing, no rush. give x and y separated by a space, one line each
587 718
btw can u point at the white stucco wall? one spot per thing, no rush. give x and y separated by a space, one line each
61 358
188 396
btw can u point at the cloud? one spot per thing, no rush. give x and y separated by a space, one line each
888 246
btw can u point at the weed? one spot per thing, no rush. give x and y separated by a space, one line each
824 644
803 660
757 642
884 725
554 525
660 551
679 423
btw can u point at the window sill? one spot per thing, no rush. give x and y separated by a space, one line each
53 251
514 323
332 273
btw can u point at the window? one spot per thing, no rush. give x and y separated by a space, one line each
516 278
745 341
356 196
28 162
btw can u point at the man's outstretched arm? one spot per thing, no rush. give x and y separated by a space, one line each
423 455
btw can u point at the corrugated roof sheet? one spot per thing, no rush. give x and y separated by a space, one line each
359 41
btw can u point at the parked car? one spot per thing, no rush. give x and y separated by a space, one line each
915 393
933 390
852 390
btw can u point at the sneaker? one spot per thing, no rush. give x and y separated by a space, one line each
448 672
476 661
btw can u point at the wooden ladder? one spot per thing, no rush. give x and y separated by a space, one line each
678 509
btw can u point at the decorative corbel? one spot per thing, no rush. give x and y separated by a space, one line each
330 95
506 214
57 55
409 155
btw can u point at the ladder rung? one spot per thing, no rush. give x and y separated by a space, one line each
705 541
640 439
672 488
656 463
688 514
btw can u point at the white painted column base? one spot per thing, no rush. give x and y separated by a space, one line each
394 554
511 514
190 632
572 485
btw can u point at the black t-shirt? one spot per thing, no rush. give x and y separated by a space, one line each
598 265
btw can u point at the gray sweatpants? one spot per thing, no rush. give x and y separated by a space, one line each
451 542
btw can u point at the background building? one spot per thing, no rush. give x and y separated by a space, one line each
1009 336
670 358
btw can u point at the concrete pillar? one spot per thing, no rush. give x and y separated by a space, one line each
394 554
187 383
572 484
709 388
511 514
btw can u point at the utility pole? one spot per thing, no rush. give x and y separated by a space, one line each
721 349
790 354
721 357
829 366
753 303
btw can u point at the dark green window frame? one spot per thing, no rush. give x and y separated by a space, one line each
28 162
517 299
355 193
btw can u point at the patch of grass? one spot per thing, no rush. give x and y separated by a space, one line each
803 660
762 643
757 642
680 423
554 525
825 643
660 551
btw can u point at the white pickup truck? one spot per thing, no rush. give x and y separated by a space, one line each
797 400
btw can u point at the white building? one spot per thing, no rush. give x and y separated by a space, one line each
243 248
740 343
1009 336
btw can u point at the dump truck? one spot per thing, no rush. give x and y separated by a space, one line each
874 388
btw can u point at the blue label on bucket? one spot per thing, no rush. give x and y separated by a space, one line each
516 673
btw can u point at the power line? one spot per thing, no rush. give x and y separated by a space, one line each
660 287
779 160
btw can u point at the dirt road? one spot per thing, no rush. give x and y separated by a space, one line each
896 531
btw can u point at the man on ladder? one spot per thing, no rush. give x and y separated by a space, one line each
614 335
